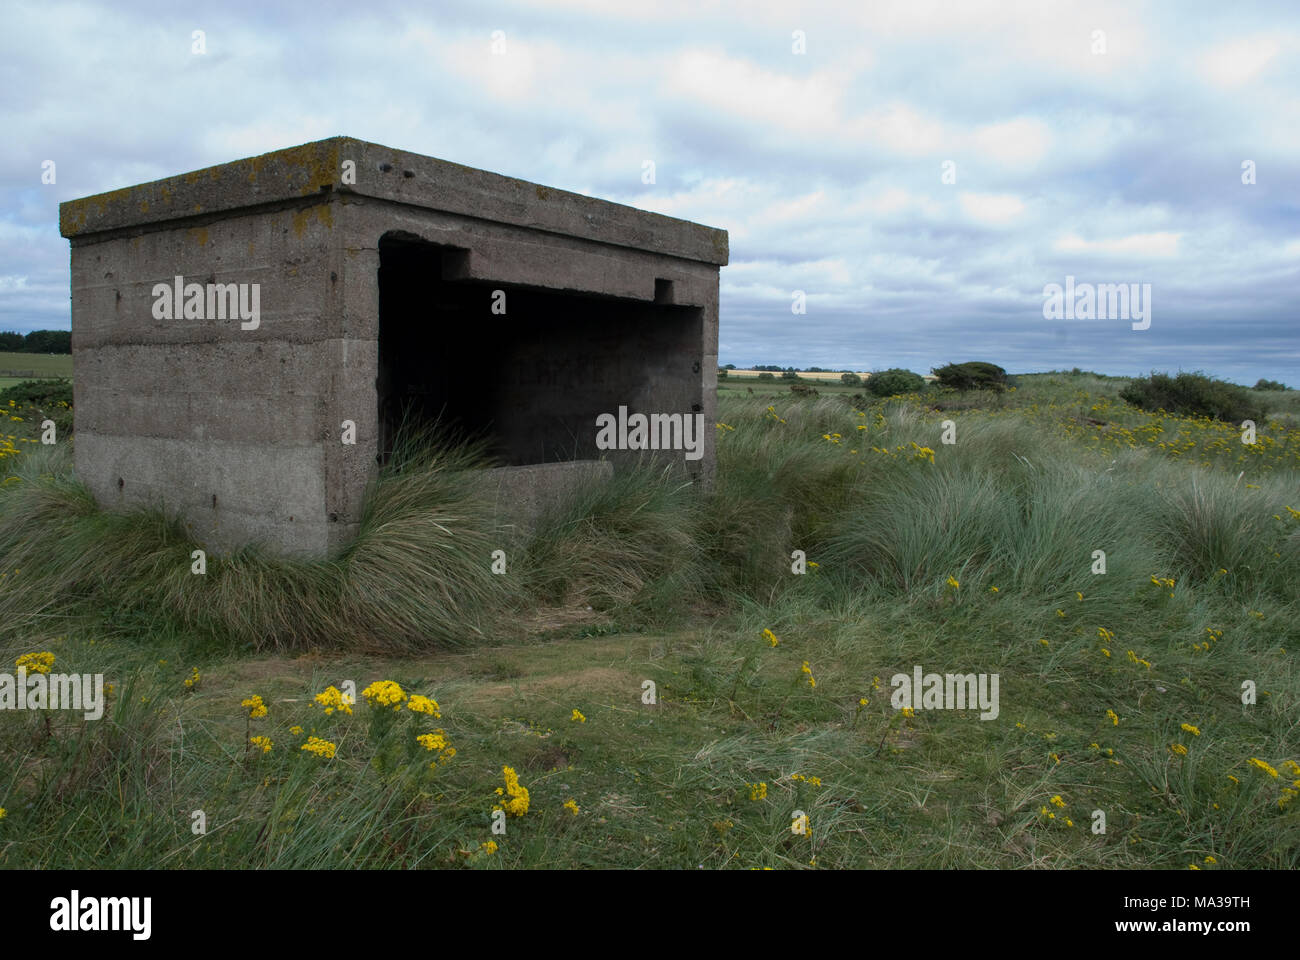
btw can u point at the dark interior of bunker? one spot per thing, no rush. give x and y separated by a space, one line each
530 382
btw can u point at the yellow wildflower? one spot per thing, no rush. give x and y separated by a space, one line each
256 708
577 716
322 748
35 662
433 741
425 705
331 698
263 742
1254 761
572 806
384 693
517 805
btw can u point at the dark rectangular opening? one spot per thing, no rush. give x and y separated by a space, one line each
531 380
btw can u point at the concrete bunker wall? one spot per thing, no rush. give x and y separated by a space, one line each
226 425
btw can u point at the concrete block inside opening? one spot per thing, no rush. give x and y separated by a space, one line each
570 336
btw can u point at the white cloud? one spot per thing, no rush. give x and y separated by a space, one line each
1239 61
992 208
1018 143
1138 244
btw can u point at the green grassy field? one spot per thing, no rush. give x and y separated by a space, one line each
42 366
1120 692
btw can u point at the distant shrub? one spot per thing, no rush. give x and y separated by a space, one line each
1269 385
766 376
722 373
1192 394
38 393
789 375
886 383
850 379
972 375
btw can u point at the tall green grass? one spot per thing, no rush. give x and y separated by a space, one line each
416 576
1008 505
1015 504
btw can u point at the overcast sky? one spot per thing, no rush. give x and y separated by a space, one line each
827 166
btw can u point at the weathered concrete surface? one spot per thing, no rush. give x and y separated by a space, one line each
525 493
239 427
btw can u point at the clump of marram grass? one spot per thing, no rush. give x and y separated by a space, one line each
417 575
611 542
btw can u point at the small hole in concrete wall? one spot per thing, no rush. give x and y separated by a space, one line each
385 167
696 408
334 277
120 483
408 174
327 188
334 518
695 367
214 501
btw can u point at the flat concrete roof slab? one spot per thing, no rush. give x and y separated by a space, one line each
306 171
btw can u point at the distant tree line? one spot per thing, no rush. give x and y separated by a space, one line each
773 368
38 341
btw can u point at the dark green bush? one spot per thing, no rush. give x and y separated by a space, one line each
38 392
766 376
972 375
887 383
1192 394
1262 384
850 379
